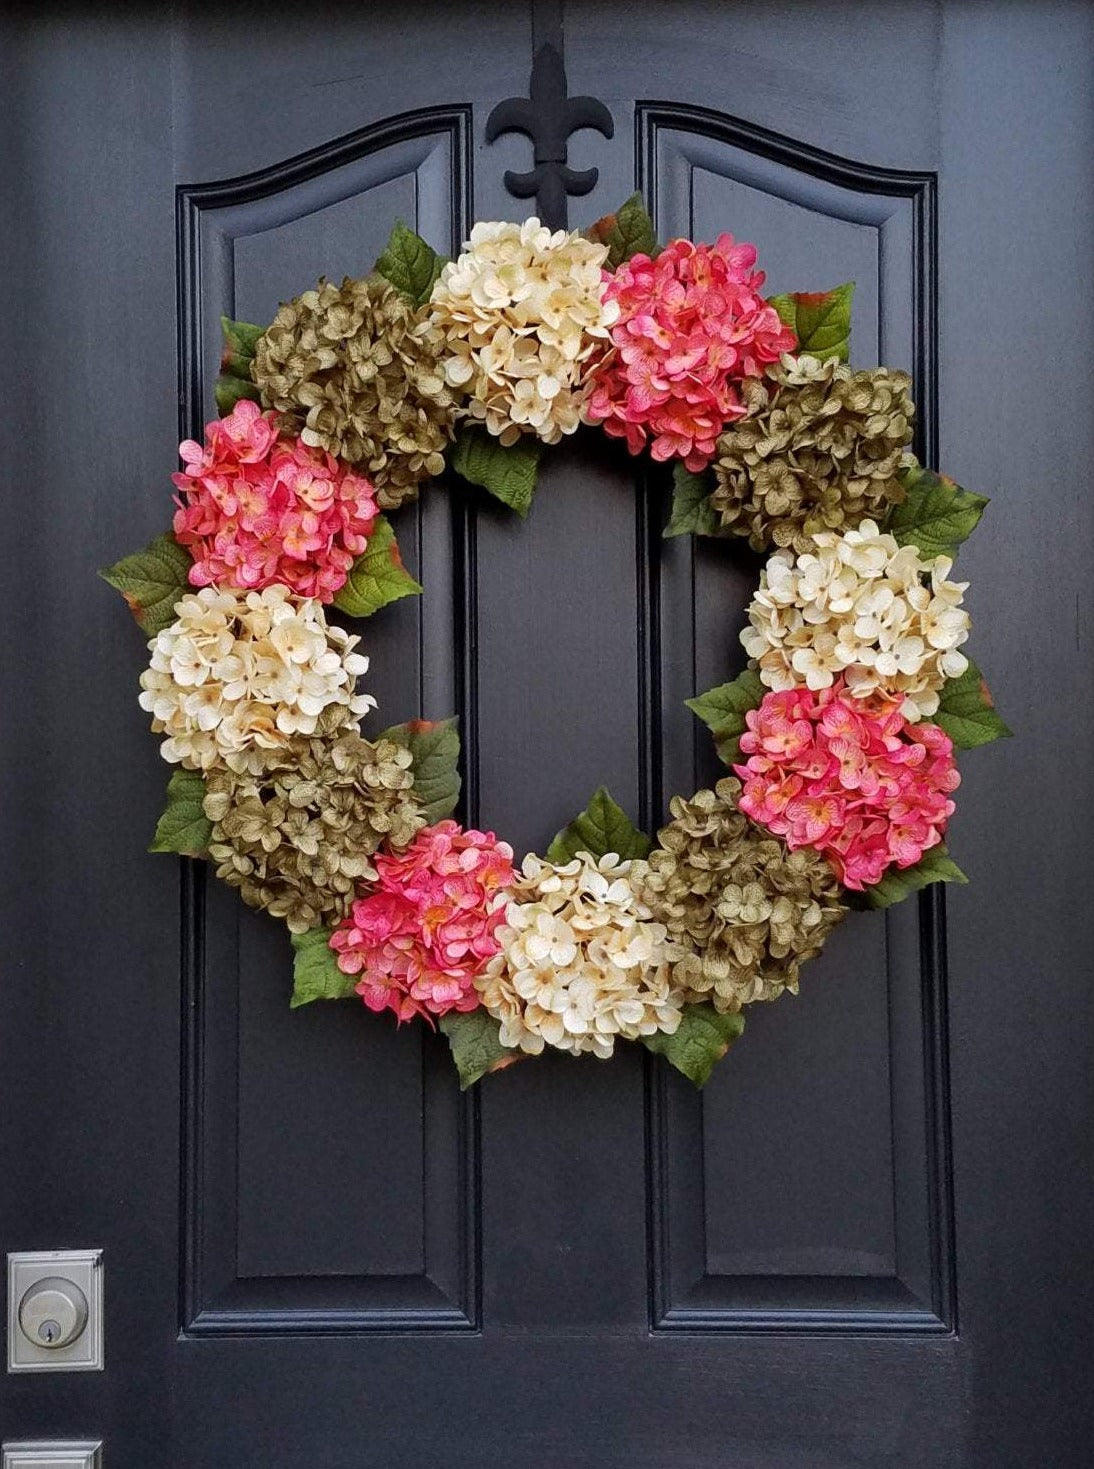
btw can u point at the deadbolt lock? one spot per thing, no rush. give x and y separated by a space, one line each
53 1312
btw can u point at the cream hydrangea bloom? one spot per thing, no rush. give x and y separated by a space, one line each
864 608
522 312
239 674
580 962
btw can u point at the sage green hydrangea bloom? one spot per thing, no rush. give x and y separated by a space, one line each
355 366
297 838
821 449
742 911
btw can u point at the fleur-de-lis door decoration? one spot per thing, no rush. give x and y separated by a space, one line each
548 116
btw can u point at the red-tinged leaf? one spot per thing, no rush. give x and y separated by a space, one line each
476 1047
234 381
821 320
703 1038
966 711
629 231
152 581
936 514
600 231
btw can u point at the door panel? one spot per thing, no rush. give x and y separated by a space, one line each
369 1126
867 1242
831 1210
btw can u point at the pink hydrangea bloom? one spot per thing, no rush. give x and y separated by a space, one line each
258 508
692 324
848 776
420 938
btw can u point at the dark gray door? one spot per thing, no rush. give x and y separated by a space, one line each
869 1242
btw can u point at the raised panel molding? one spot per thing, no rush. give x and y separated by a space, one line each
432 144
226 1285
675 146
671 139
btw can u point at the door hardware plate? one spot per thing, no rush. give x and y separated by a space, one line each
84 1268
52 1455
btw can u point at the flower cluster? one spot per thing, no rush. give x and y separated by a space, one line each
860 607
258 509
521 312
692 325
422 935
821 449
238 675
849 777
355 368
580 963
296 839
743 913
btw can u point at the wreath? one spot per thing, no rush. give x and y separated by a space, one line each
839 738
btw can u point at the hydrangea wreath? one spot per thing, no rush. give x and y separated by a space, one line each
839 736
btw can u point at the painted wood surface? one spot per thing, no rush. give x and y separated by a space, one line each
868 1242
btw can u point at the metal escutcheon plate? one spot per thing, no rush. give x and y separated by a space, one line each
52 1455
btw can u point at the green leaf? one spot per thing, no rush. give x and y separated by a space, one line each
966 711
601 828
378 576
723 711
936 514
435 747
234 382
699 1044
152 581
692 512
315 971
240 337
897 884
821 320
235 364
410 264
229 390
475 1046
629 231
508 474
183 827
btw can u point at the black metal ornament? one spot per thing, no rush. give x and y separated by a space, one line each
548 116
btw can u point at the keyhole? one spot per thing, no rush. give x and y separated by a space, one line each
49 1331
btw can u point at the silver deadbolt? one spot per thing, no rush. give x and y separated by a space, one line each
53 1312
